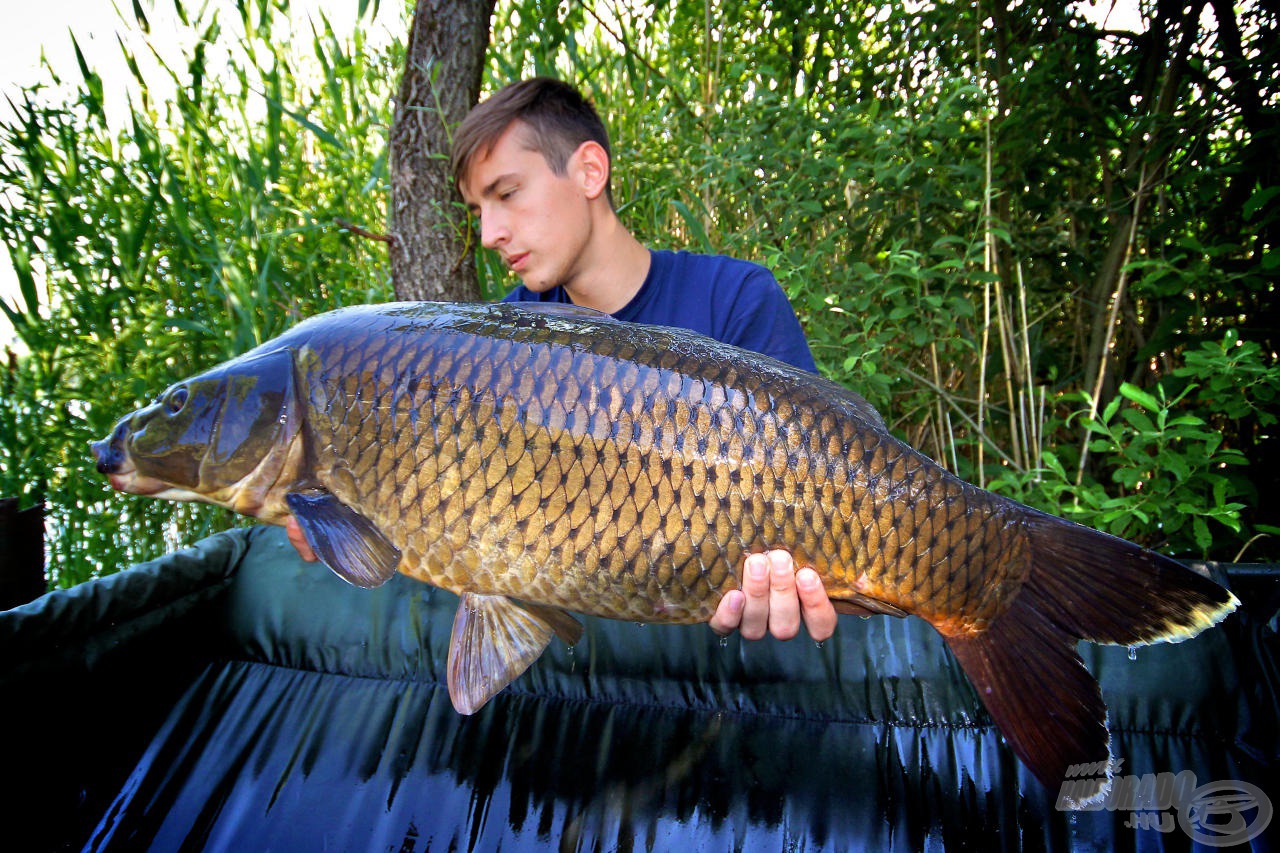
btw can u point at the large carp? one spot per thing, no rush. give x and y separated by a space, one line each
539 461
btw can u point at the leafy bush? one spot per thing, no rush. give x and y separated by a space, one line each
203 227
1163 474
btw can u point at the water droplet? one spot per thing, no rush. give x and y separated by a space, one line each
817 644
639 624
724 642
1133 653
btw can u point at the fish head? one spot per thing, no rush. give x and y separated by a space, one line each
227 437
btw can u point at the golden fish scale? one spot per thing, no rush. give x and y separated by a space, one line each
627 474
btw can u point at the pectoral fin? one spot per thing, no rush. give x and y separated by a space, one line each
494 640
343 539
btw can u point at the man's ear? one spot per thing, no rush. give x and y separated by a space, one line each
592 166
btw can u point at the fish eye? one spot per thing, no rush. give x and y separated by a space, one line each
176 400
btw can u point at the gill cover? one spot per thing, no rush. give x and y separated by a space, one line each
214 430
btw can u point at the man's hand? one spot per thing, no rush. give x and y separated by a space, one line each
298 540
774 599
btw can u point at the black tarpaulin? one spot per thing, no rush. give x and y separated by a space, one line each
232 697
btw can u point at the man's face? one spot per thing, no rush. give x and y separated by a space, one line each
538 221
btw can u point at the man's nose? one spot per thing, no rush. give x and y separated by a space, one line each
493 233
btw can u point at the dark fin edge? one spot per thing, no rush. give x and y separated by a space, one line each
344 540
1107 590
568 310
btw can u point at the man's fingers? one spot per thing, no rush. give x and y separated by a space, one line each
776 599
298 540
755 586
819 614
728 615
784 606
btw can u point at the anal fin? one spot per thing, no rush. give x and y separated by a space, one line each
568 629
494 640
861 605
343 539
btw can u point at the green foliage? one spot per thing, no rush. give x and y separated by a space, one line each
150 248
1164 476
946 206
1236 379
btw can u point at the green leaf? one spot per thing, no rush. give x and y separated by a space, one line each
141 17
320 133
694 224
1177 465
1139 421
1259 201
189 326
1137 395
92 82
1200 529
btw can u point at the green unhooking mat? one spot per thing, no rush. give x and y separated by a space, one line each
231 697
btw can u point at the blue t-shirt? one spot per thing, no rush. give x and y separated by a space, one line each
735 302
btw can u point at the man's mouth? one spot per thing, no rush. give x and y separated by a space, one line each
517 261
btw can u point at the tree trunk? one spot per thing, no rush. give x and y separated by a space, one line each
1160 80
432 253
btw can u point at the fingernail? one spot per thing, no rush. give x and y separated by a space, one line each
757 567
736 602
807 578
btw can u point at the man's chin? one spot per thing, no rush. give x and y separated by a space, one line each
536 285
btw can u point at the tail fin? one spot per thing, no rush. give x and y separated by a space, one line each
1088 585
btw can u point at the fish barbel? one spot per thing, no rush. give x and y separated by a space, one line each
544 460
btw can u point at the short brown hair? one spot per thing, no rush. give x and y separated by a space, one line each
559 119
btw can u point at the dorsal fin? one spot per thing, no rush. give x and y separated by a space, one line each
565 309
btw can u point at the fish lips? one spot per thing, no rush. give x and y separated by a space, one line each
113 460
111 456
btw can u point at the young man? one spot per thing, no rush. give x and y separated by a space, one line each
533 165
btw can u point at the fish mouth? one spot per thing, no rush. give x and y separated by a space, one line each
112 458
